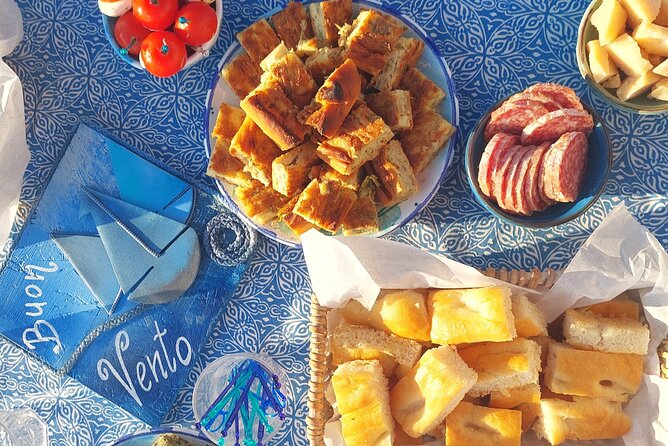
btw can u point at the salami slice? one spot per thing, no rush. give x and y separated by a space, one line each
519 197
536 200
501 178
513 117
543 184
546 101
511 176
494 150
550 127
564 96
567 165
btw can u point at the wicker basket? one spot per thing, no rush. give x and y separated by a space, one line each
319 410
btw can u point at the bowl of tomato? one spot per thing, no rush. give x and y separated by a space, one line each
161 36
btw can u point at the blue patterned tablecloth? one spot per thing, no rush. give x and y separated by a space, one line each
494 48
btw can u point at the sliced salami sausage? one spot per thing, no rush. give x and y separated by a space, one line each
494 150
547 102
550 127
564 96
567 166
519 197
536 200
513 117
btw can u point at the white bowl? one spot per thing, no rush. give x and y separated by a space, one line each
200 52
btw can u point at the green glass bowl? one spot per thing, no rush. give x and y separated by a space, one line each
642 104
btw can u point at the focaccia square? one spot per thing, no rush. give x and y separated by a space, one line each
255 150
259 202
290 171
394 107
242 75
325 204
371 40
428 136
362 397
407 51
423 90
431 390
275 114
359 139
258 40
396 176
292 24
327 17
502 365
471 315
613 376
471 425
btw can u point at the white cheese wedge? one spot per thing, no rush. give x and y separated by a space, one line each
653 38
614 82
114 8
610 21
625 53
635 86
662 69
662 18
639 10
600 64
660 90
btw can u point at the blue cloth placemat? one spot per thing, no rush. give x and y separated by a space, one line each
493 48
75 288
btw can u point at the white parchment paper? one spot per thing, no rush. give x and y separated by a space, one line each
620 255
14 154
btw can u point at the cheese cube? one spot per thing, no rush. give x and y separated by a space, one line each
610 21
662 69
639 10
614 82
653 38
662 18
660 90
625 53
635 86
600 64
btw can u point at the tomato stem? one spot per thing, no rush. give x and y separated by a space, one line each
165 48
183 20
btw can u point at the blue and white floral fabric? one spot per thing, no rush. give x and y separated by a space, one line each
494 48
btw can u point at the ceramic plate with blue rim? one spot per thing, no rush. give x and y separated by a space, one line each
432 64
148 438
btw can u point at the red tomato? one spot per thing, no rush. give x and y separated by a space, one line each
163 53
196 23
155 14
129 33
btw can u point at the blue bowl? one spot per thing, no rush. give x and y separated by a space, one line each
195 54
598 169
